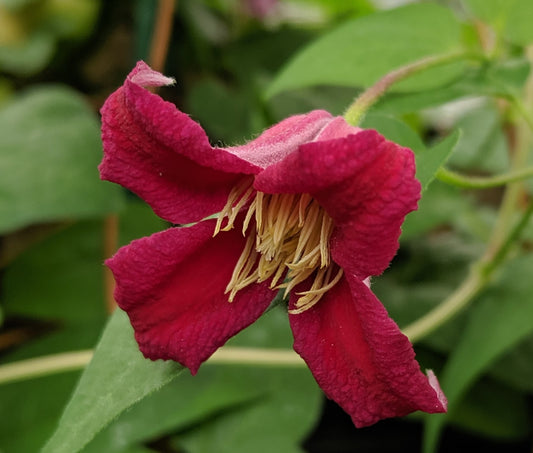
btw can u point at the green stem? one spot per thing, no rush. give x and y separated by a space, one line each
447 309
479 276
70 361
473 182
43 366
520 158
355 112
503 236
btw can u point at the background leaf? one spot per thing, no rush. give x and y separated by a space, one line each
502 318
360 51
429 162
49 152
117 377
511 18
63 309
250 407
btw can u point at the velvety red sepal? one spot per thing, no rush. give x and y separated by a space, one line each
367 186
360 358
172 285
162 155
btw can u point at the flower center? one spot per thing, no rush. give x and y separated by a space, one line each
288 242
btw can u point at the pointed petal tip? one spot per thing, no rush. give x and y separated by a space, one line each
148 351
145 76
434 382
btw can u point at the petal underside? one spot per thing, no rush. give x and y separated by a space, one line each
365 183
360 358
172 285
162 155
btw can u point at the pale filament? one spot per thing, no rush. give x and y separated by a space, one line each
288 242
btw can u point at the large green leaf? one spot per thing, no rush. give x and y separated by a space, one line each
66 292
117 377
49 152
362 50
266 423
276 422
510 18
226 395
501 319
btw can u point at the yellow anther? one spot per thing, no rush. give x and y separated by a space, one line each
289 240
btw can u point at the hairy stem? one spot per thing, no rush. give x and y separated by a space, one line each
355 112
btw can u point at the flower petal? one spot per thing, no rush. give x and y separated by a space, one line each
360 358
158 152
277 142
365 183
172 285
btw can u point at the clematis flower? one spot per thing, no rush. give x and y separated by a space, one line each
313 206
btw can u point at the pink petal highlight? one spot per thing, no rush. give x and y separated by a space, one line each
360 358
276 143
172 285
367 186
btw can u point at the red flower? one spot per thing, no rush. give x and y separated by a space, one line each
312 205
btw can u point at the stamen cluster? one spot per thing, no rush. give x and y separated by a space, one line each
288 241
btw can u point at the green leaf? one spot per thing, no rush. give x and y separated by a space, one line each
493 11
482 145
66 292
493 410
510 18
64 268
223 112
429 162
515 368
30 410
395 130
117 377
193 404
267 422
182 403
362 50
500 320
49 152
276 422
441 204
518 29
496 79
